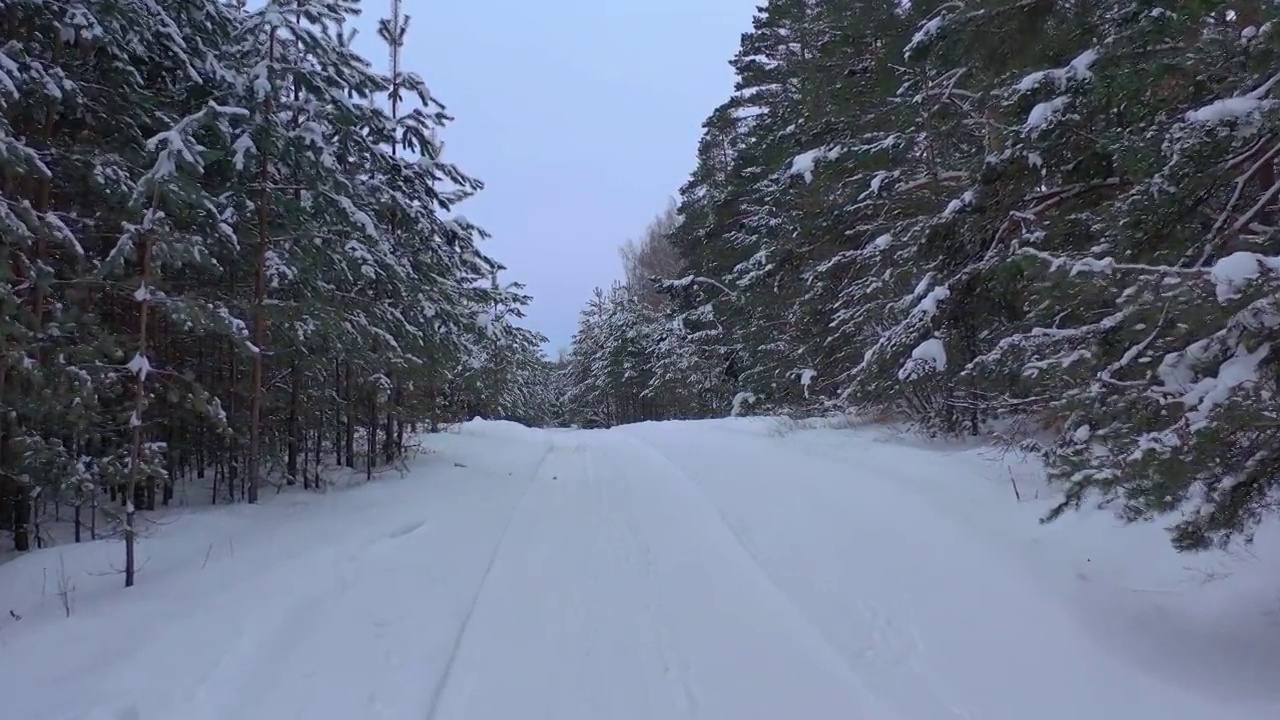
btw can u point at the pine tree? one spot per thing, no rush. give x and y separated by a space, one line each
176 214
217 296
1065 237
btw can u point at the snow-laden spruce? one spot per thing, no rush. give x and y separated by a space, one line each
230 265
1068 237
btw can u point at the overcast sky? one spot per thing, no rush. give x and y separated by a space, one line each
581 117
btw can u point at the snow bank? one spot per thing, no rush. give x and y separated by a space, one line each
493 428
673 570
1207 622
341 605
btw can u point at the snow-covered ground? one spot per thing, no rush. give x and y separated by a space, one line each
665 570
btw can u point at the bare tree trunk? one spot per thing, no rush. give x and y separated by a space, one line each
21 518
172 460
337 414
372 436
10 487
400 436
388 432
320 418
259 302
230 461
348 415
232 474
295 429
149 496
201 443
139 406
217 475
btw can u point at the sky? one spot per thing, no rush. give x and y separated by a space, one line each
580 116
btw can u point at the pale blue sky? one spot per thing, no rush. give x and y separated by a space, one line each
581 116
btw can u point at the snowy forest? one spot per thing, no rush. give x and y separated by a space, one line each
235 259
232 261
1054 223
944 385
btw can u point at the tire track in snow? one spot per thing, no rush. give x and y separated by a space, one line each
889 647
742 544
273 630
677 670
437 692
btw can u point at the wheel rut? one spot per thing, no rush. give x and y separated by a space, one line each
437 692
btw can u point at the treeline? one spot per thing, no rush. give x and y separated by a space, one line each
631 358
1053 221
229 257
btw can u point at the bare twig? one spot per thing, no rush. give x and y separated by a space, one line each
66 588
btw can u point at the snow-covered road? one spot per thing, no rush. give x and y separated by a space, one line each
660 571
618 592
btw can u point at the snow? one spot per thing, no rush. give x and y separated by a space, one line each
1044 113
140 366
964 201
1241 369
877 184
1078 70
719 569
1236 107
242 146
804 163
925 35
807 377
1082 434
1227 109
1235 271
928 306
365 222
928 356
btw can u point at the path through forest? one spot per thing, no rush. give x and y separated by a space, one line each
665 571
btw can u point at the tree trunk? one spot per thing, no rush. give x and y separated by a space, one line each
172 460
337 413
139 406
260 301
388 432
230 461
294 427
372 437
12 497
217 475
319 446
21 518
348 415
